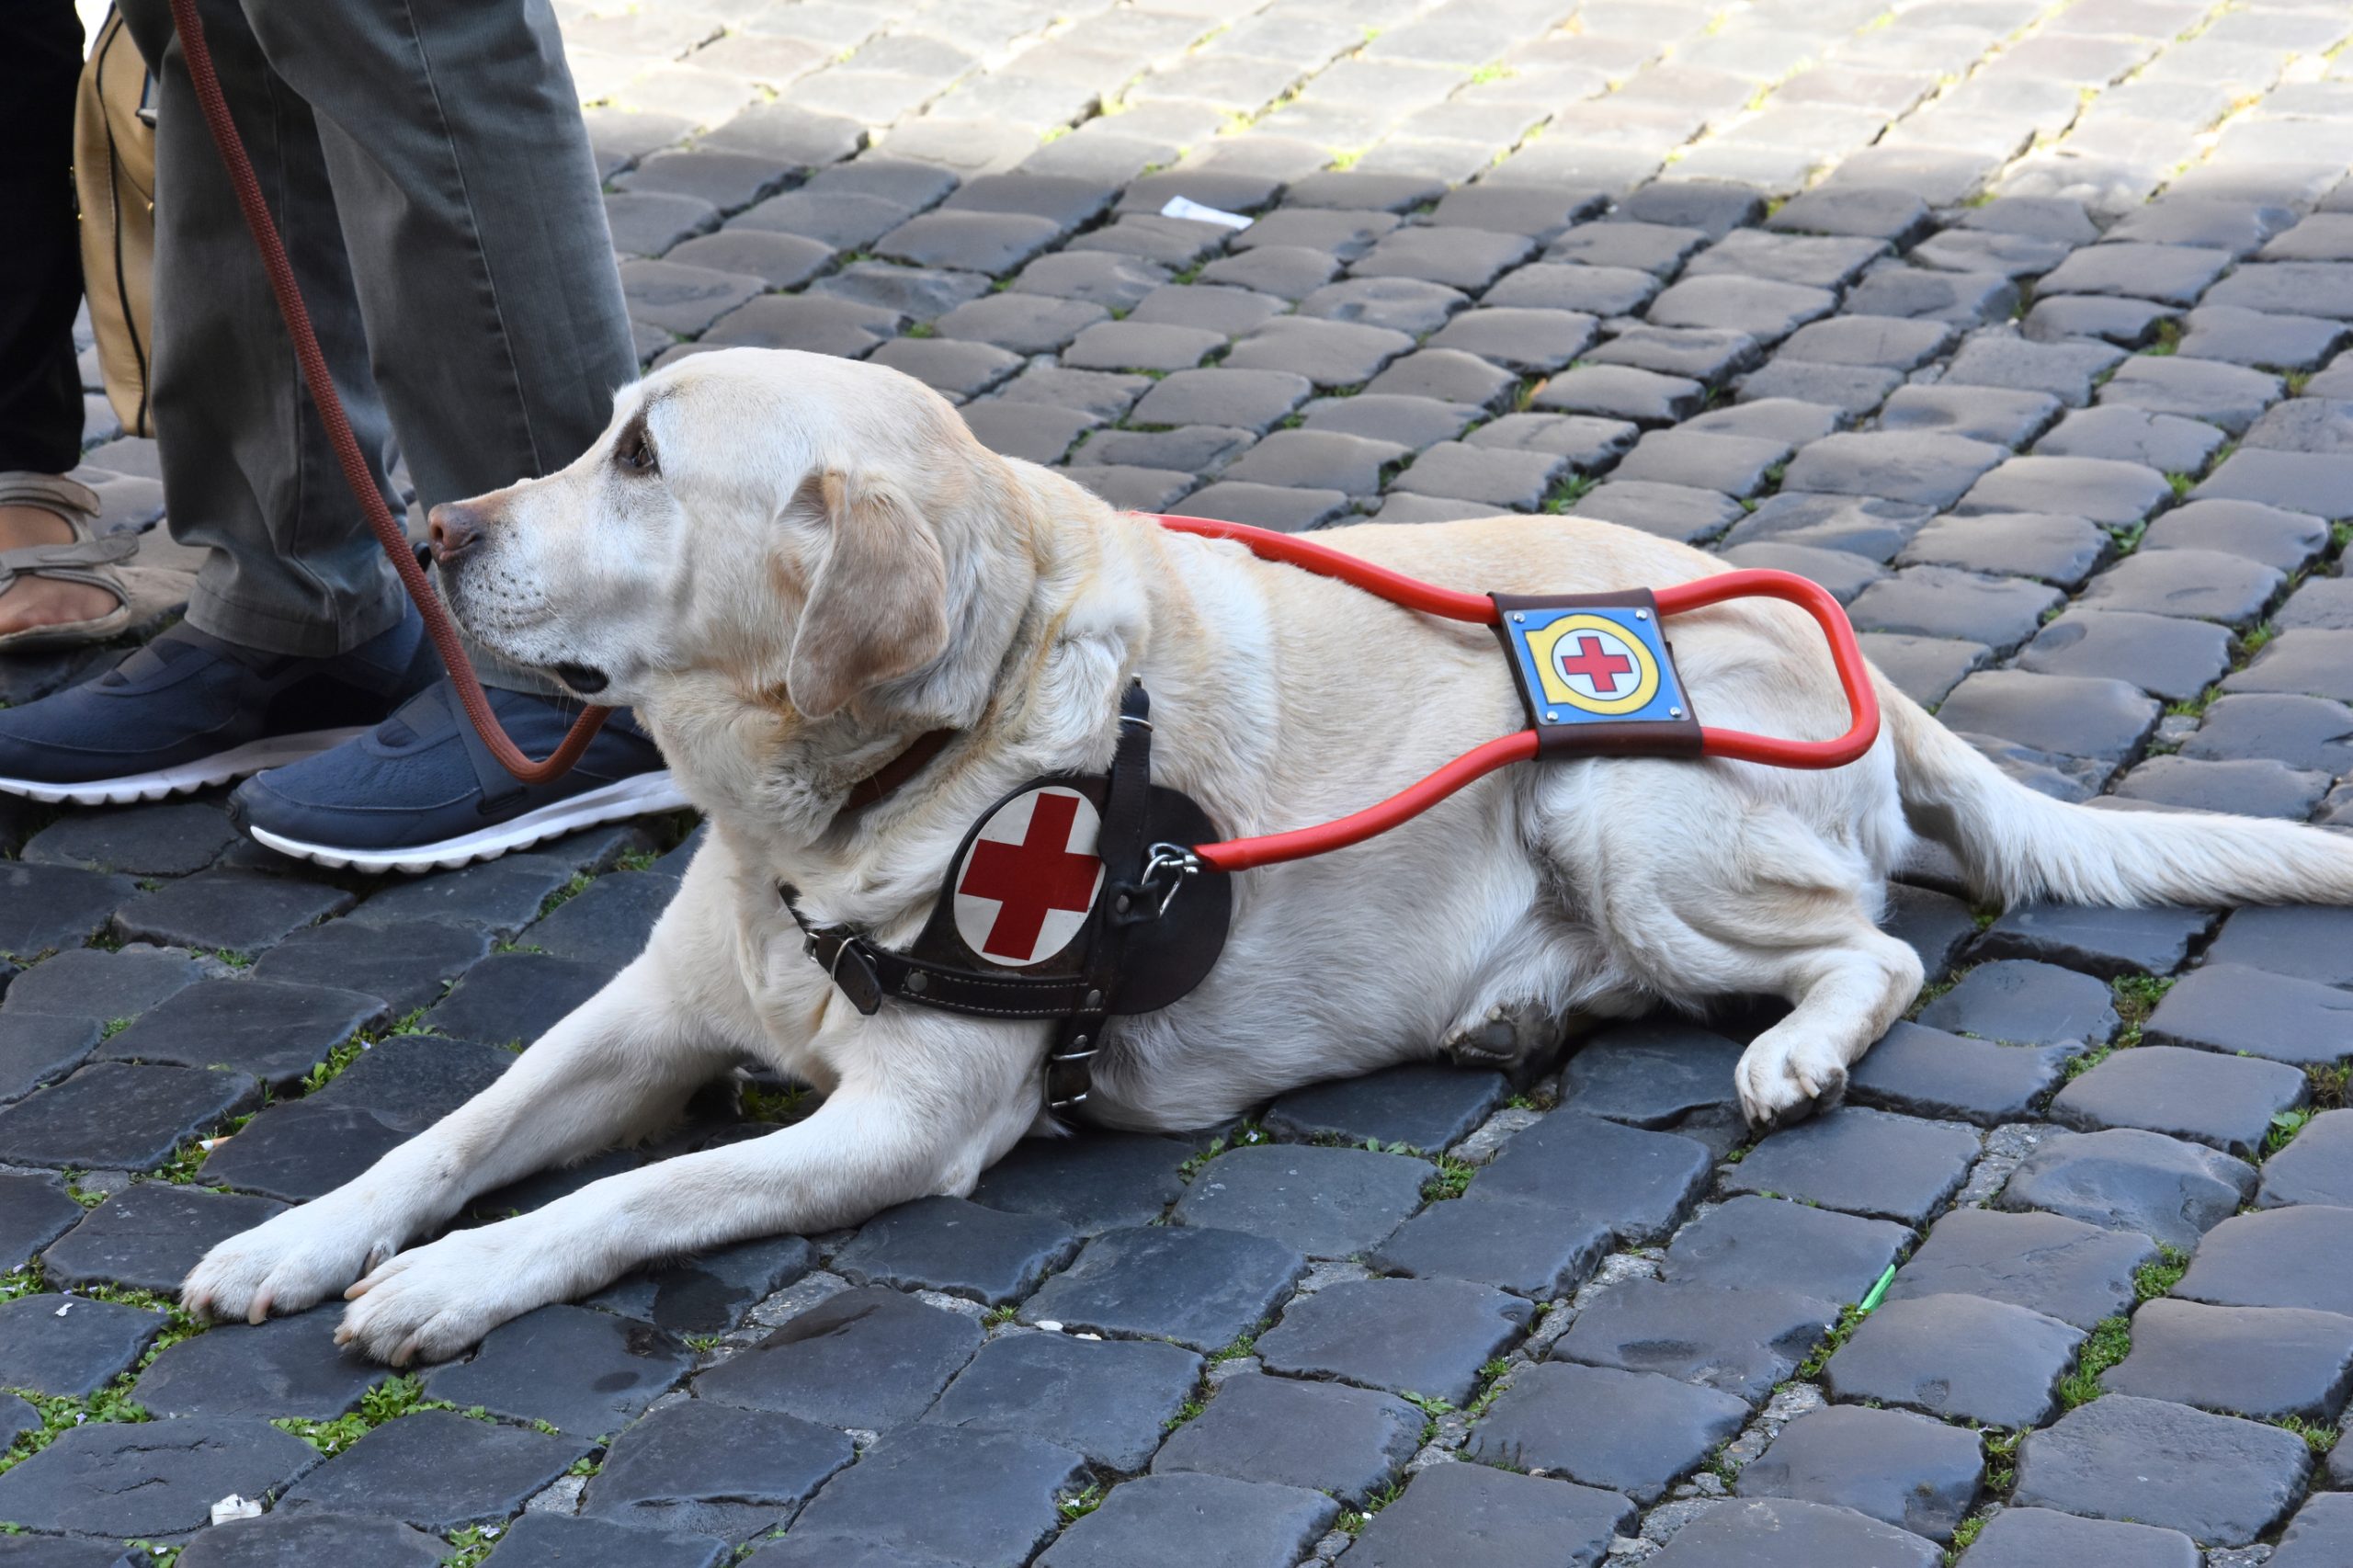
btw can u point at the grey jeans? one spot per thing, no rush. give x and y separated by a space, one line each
429 171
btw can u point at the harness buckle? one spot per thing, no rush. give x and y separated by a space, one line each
1175 863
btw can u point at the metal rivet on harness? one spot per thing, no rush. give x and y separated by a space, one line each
916 980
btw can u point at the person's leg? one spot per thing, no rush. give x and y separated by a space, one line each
247 469
40 283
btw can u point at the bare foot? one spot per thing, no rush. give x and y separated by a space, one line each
43 601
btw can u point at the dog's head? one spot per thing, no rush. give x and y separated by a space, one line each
803 534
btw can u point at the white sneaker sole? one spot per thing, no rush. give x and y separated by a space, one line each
202 774
639 795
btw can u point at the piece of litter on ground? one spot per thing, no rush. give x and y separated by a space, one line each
63 1309
1086 1336
1050 1326
1186 207
232 1506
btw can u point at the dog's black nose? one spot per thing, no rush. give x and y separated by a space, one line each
454 528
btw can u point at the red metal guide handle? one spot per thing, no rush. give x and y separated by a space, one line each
1854 676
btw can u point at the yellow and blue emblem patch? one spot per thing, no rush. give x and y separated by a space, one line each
1591 662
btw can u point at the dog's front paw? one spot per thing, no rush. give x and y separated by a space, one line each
1781 1086
294 1260
432 1302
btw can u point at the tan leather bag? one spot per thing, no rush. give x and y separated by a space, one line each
114 169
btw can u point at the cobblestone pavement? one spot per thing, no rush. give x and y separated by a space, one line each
2040 372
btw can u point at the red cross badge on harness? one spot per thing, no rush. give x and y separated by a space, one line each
1030 877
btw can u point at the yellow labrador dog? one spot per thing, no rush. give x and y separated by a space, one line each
792 566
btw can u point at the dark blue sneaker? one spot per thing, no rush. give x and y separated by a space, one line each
424 793
189 710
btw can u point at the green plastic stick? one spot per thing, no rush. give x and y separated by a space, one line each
1879 1290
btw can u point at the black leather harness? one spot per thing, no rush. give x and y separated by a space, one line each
1154 923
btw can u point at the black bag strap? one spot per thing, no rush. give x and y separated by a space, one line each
1124 845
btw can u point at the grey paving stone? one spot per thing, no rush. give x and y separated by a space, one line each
288 1541
1413 423
1930 470
1659 248
34 1211
1924 668
1023 323
1733 465
1863 1162
2117 493
930 1495
2285 343
1870 211
2269 1363
1965 299
1596 290
1527 340
798 136
1330 354
91 983
2307 661
1854 389
961 1248
1925 1072
2175 274
2252 788
2169 658
1500 478
149 1236
650 222
1702 354
1894 343
2275 1258
1529 1249
1249 400
1098 278
241 912
1344 233
1680 512
2321 1532
2299 481
557 1541
516 996
147 1480
1178 1518
2107 942
1171 242
1093 1182
1844 575
969 240
1589 444
1862 525
817 324
276 1032
1539 211
1286 272
957 369
111 1116
288 1366
2066 715
1103 394
1481 1517
169 839
865 1357
1650 1073
1037 432
1232 192
1616 391
1955 1357
1200 1288
2128 323
2306 942
1317 459
2305 733
2164 442
404 964
2213 1478
70 1346
1753 1242
1267 505
1229 311
1641 1183
2065 371
2205 583
500 896
2226 1102
1423 1106
2041 1538
1347 1441
584 1372
2241 1010
711 1292
2004 255
2308 287
1941 601
2056 548
1413 1336
1192 449
1932 924
2126 1179
1635 1433
1893 1466
1459 258
1137 345
1110 1400
1765 310
40 1047
715 1469
781 261
1741 1342
1446 375
2222 395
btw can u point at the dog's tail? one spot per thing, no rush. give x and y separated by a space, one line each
2018 845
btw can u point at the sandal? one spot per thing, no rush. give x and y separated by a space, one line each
142 593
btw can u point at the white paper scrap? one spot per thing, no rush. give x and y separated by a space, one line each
236 1508
1186 207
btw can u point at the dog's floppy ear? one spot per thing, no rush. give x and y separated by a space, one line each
879 607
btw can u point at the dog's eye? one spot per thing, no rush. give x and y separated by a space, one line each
634 451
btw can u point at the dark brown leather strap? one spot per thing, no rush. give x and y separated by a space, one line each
886 780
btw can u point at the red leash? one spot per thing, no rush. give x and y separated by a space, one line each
356 471
1854 676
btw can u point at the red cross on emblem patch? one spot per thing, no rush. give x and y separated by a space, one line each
1026 886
